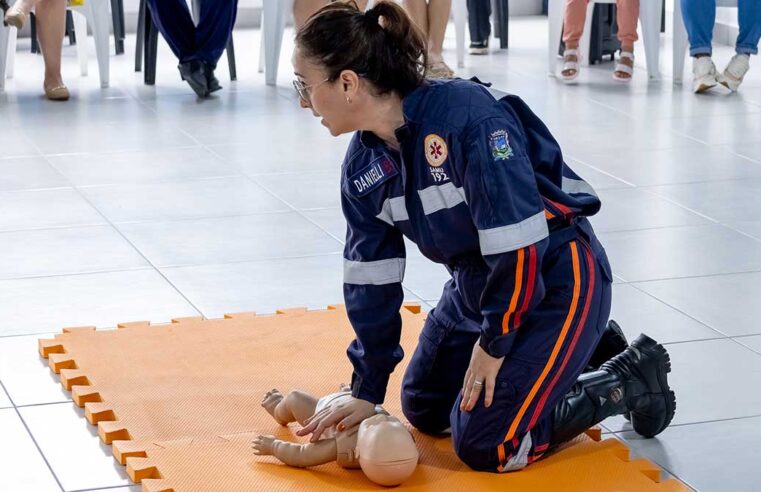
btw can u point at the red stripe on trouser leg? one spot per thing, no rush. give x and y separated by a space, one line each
572 346
529 285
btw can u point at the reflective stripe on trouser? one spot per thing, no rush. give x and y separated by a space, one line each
552 347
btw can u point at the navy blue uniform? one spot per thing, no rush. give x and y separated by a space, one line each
206 42
480 186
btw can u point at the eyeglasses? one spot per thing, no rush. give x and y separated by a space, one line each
305 91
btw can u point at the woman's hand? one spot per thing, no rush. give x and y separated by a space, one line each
343 416
481 375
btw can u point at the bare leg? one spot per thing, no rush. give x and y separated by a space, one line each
418 11
297 406
51 18
438 17
303 9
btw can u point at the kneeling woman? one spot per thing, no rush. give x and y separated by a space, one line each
479 185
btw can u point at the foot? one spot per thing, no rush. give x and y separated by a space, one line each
271 400
704 74
211 81
17 14
439 70
55 89
644 368
344 387
479 48
612 342
570 65
194 73
625 67
735 72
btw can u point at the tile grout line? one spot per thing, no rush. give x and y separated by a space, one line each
31 436
120 233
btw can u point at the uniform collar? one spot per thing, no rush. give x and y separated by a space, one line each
412 106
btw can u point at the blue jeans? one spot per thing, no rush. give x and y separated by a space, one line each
700 15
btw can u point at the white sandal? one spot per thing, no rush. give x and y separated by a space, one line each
624 68
570 65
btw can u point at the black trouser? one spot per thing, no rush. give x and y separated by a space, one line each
478 20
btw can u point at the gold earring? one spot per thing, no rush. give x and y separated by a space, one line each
348 99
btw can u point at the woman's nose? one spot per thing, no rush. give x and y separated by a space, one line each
304 103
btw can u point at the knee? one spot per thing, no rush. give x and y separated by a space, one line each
473 453
424 417
294 397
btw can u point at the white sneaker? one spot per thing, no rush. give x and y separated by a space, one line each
703 73
735 71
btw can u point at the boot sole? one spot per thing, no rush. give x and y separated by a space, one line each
657 350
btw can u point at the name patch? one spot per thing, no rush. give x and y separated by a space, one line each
373 175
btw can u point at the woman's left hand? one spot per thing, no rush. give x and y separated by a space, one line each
481 375
343 416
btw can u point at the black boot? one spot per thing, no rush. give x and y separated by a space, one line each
194 73
634 381
612 343
211 81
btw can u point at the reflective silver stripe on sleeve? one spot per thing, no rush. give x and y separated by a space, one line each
393 210
379 272
514 236
577 186
439 197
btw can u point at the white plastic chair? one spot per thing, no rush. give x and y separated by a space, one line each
680 38
94 12
650 24
460 16
274 16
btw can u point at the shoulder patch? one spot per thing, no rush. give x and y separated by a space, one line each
435 149
499 143
373 175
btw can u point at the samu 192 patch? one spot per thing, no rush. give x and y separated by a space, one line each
373 175
500 145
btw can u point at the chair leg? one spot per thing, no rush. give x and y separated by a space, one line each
650 20
680 43
503 14
460 14
140 36
555 10
151 49
70 28
117 16
80 26
100 21
5 53
274 23
231 59
33 29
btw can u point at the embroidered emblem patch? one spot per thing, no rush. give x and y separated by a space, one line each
435 149
500 145
371 176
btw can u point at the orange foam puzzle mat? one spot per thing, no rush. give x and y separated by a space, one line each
179 403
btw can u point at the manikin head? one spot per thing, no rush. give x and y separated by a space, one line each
386 450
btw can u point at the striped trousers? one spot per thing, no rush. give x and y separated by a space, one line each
553 345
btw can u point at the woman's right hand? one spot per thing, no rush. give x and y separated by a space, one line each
343 416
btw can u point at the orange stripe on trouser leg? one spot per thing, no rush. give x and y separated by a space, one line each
516 293
556 349
579 328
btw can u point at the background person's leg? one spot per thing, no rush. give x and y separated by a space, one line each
479 12
215 26
749 19
303 9
173 20
51 22
438 17
699 17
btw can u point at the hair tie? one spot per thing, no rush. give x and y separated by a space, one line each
372 17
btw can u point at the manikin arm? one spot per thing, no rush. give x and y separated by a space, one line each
294 454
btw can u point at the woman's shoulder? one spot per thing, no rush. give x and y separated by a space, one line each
458 103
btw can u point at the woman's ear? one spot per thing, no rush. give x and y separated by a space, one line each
350 82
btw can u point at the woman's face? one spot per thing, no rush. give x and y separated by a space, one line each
327 99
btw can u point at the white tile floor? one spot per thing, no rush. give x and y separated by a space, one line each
97 193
